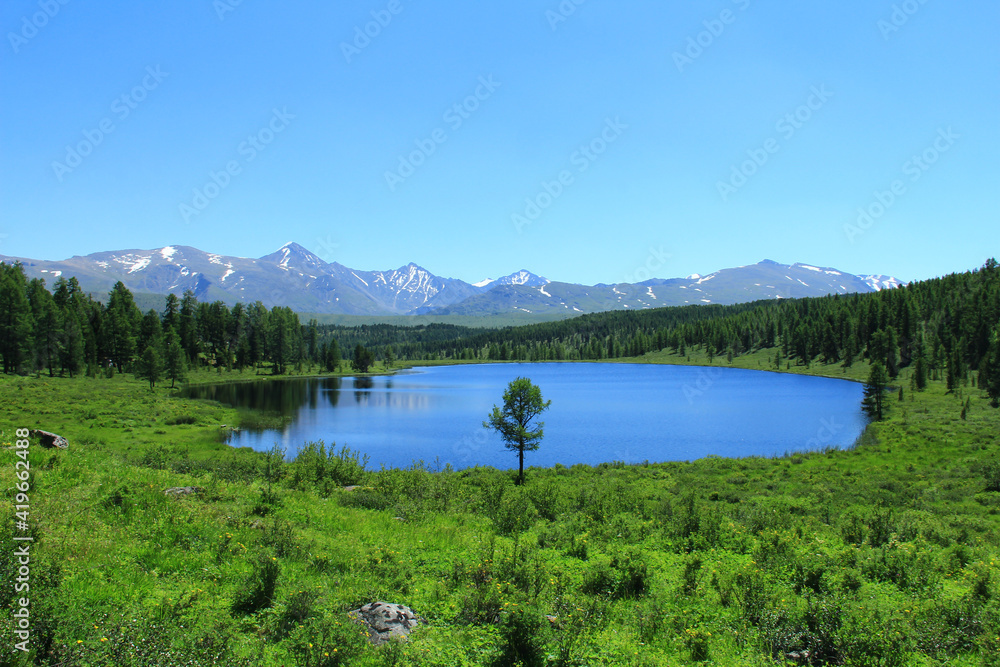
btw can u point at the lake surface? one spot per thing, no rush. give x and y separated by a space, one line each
600 412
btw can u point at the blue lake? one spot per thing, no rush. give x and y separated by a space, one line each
600 412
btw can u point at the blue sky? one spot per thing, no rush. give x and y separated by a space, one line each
590 142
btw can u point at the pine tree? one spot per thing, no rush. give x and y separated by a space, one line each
993 369
150 366
174 358
150 332
523 403
874 391
363 359
16 322
311 339
47 333
331 356
171 313
73 346
188 326
122 322
919 365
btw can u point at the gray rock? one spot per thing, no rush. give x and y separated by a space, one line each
386 621
178 491
50 439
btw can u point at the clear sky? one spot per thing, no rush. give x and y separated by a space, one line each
591 139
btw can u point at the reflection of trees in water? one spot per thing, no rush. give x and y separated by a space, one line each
284 397
332 391
287 397
362 389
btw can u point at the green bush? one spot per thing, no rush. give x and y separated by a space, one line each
257 590
181 419
696 641
510 508
522 641
315 467
624 575
299 608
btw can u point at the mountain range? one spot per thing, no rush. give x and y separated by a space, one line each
295 277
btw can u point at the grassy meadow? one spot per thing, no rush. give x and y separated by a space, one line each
885 554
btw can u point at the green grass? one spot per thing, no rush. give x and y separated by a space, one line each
884 554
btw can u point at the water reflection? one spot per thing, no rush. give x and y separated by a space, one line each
600 412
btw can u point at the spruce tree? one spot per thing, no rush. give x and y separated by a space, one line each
150 366
16 322
993 369
919 365
331 356
363 359
174 358
874 401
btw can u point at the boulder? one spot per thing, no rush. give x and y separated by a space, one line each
178 491
386 621
50 439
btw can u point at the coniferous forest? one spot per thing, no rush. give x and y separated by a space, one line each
945 327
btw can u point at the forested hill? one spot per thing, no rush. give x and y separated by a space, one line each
946 325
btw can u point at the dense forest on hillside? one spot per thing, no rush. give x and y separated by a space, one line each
944 327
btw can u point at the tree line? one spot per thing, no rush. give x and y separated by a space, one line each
944 328
68 332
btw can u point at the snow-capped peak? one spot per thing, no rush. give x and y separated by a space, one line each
881 282
484 283
294 255
523 277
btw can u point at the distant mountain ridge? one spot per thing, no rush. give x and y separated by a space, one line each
295 277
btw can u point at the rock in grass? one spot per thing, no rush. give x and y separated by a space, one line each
386 621
178 491
50 439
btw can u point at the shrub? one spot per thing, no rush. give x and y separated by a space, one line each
298 609
991 475
156 457
181 419
546 498
689 581
324 470
522 642
625 575
510 508
696 641
257 590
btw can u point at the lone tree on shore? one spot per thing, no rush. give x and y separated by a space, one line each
874 401
522 403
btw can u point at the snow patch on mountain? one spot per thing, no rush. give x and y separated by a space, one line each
139 264
881 282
